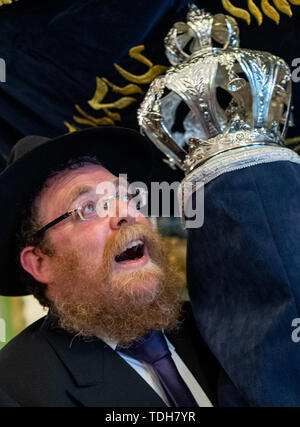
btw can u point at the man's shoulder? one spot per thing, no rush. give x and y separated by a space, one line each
30 370
28 351
7 401
25 341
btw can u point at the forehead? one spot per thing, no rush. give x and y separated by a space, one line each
60 188
87 173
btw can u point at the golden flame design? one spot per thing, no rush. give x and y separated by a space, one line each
293 143
4 2
270 11
104 87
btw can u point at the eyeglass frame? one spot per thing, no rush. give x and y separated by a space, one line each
71 212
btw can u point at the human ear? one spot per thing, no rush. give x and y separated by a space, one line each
36 263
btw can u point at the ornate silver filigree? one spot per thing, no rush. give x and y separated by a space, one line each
241 158
258 85
230 161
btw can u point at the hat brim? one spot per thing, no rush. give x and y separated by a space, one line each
119 150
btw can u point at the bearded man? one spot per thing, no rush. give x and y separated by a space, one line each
116 333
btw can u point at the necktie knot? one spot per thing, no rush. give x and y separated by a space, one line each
152 348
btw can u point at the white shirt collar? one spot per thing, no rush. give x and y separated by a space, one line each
113 344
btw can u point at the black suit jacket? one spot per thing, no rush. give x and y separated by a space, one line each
47 366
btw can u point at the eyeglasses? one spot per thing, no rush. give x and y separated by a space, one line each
99 207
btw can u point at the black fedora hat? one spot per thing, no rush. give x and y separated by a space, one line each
32 159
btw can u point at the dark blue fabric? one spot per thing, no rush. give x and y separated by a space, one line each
153 349
228 394
55 49
243 269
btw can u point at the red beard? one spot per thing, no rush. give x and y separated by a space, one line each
120 306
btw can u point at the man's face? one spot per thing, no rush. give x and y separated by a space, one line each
108 276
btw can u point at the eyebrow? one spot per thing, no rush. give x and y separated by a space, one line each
75 194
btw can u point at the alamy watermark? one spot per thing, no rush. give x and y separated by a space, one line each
295 336
2 71
2 330
296 71
158 199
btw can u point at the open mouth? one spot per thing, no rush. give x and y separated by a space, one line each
134 250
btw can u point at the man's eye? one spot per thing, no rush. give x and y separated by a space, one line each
88 210
90 207
105 205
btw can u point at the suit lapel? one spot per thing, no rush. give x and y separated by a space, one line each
100 375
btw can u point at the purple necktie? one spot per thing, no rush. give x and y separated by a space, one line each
153 349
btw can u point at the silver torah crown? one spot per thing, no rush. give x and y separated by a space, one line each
257 86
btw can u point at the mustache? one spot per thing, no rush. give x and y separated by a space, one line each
116 244
121 306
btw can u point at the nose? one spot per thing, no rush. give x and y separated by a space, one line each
123 217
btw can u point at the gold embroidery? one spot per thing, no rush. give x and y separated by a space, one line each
101 91
113 116
270 11
283 6
126 90
3 2
255 11
104 86
135 53
236 11
71 128
91 120
153 72
119 104
293 141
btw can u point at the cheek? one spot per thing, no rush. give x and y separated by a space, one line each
87 241
91 248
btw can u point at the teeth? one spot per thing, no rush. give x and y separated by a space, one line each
132 244
133 250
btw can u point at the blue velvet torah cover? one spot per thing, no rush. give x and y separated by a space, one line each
243 271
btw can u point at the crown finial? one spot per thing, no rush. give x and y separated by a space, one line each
235 98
